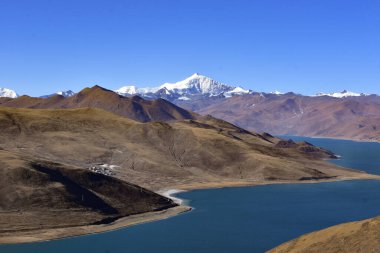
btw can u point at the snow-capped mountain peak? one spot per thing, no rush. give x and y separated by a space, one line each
342 94
65 93
8 93
196 84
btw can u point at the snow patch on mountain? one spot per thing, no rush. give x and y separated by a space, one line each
66 93
8 93
184 98
238 91
127 90
276 92
342 94
133 90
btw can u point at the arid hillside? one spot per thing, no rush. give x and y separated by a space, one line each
361 236
158 155
291 114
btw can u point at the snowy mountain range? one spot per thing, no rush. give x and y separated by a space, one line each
194 86
198 85
8 93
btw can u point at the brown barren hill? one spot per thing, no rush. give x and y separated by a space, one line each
135 108
361 236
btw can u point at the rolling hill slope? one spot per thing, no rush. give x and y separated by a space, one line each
157 154
135 108
360 236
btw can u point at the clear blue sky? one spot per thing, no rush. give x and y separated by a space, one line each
304 46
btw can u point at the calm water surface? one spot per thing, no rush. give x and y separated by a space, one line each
246 219
358 155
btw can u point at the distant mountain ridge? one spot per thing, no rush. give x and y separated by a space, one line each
342 94
343 114
193 87
356 117
135 107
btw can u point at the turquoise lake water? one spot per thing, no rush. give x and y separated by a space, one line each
245 219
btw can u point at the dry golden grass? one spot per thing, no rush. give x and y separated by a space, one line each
361 236
158 155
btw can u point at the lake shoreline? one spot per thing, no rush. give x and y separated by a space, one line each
331 138
62 233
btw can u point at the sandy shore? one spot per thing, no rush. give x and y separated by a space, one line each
51 234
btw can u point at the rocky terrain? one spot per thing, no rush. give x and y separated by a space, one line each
361 236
